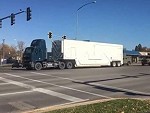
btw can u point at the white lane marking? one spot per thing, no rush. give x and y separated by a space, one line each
57 77
42 90
63 96
21 105
14 93
96 84
16 83
60 86
4 84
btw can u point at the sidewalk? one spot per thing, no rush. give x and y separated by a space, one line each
5 68
136 64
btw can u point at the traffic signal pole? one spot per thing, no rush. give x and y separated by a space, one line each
12 16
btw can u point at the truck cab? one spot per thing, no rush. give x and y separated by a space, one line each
35 54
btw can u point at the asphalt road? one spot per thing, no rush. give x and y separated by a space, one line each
22 90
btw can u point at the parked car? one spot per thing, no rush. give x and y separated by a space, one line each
145 60
16 64
127 60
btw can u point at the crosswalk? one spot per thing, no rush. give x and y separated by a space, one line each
12 79
31 90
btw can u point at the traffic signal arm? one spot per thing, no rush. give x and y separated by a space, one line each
12 16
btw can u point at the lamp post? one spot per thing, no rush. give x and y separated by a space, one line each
77 21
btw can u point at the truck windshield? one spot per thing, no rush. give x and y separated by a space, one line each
35 43
29 50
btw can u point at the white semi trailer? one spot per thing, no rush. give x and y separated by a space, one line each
75 53
72 53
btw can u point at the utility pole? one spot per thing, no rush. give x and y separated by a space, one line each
3 51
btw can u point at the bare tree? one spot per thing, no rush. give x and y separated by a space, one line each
21 47
13 51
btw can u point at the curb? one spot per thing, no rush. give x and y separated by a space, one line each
67 105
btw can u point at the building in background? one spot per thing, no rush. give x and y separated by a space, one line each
133 56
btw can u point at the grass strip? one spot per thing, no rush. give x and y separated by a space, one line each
112 106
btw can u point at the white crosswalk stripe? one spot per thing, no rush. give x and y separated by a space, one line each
41 90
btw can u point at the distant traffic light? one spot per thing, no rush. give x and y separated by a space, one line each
28 13
12 16
0 23
50 34
64 37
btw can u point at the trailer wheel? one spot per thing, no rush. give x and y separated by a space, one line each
69 65
113 64
118 64
62 65
38 66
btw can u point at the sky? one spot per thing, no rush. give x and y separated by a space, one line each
125 22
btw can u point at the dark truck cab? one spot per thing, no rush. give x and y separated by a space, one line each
35 55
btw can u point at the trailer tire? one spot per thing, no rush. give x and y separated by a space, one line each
118 64
69 65
62 65
38 66
113 64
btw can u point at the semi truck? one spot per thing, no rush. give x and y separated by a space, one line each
69 54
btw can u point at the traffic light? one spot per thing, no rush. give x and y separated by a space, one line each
12 16
50 34
0 23
64 37
28 13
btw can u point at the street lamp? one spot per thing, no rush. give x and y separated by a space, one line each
77 22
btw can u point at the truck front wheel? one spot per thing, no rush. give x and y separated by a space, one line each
38 66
